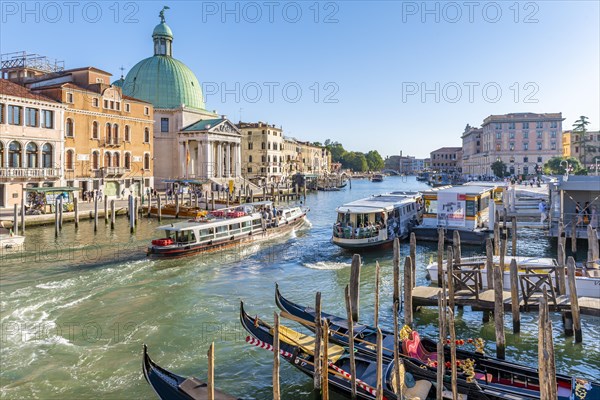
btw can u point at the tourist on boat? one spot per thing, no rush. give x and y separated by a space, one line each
578 214
586 212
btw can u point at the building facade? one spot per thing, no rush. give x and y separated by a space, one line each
305 158
262 152
447 159
31 142
523 141
107 136
573 144
472 159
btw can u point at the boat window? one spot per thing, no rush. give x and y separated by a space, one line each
484 203
471 207
205 235
234 227
185 237
431 206
170 235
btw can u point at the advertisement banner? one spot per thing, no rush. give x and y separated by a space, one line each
451 209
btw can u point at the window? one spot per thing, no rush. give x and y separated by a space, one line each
47 155
525 146
118 106
1 155
107 160
32 154
498 148
146 135
511 146
576 149
250 146
112 105
105 103
250 169
116 160
127 160
539 159
539 134
553 134
525 159
511 125
553 145
116 134
164 124
525 134
498 126
47 119
539 145
95 160
146 161
95 102
525 125
249 158
1 114
512 135
69 128
31 117
69 97
69 159
263 145
146 111
108 133
127 107
539 125
127 134
553 124
95 130
264 159
14 115
14 154
498 135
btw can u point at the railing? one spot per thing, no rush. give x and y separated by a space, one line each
111 143
347 232
113 171
29 172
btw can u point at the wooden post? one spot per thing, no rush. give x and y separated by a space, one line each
591 237
56 228
325 362
453 354
355 285
60 213
95 213
408 311
158 208
450 281
206 199
514 295
376 312
513 237
112 214
76 210
227 195
397 360
574 299
138 209
176 205
440 347
379 373
149 204
131 214
351 342
561 274
15 227
499 311
396 267
546 364
574 236
318 337
105 209
496 238
489 263
440 255
22 214
212 201
413 258
276 391
210 385
457 250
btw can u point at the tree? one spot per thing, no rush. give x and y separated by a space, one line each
553 166
355 161
374 160
499 169
580 127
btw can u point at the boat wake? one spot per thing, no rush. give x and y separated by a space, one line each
326 265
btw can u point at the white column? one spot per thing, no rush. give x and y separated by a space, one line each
208 159
219 162
238 160
181 172
228 160
199 161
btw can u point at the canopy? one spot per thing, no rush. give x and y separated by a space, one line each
51 189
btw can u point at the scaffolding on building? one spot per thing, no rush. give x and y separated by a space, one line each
22 59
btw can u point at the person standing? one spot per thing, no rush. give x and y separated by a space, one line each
542 210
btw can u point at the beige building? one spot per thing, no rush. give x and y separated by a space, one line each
447 159
262 152
573 144
472 160
31 142
305 158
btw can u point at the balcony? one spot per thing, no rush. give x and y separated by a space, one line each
29 173
113 171
110 143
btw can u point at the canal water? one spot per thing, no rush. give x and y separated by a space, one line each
74 311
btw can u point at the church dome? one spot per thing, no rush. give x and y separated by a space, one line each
161 79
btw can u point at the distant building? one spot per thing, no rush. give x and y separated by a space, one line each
31 142
262 152
304 157
447 159
573 146
405 164
472 158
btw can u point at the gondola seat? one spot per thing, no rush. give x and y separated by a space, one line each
307 343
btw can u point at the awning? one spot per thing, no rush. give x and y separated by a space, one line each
51 189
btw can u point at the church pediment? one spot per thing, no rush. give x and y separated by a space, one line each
225 127
221 125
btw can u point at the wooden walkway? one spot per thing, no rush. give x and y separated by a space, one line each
427 296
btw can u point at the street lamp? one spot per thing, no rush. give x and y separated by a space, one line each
567 168
597 164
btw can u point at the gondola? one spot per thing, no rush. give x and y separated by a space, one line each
423 351
169 386
300 356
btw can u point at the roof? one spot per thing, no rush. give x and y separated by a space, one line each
162 29
86 68
52 189
9 88
203 124
382 202
186 226
525 116
447 149
465 189
581 183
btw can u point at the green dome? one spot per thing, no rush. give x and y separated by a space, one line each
119 82
165 82
162 29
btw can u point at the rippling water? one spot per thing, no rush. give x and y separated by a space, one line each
75 311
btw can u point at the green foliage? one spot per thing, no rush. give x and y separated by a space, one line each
374 160
357 161
499 169
553 166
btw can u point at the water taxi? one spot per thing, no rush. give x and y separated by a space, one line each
587 280
228 227
377 178
376 220
456 208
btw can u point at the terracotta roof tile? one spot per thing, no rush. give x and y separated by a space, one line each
9 88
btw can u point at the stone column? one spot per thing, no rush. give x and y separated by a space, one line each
199 161
219 163
238 160
181 160
228 160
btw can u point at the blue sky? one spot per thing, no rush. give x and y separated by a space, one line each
392 76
